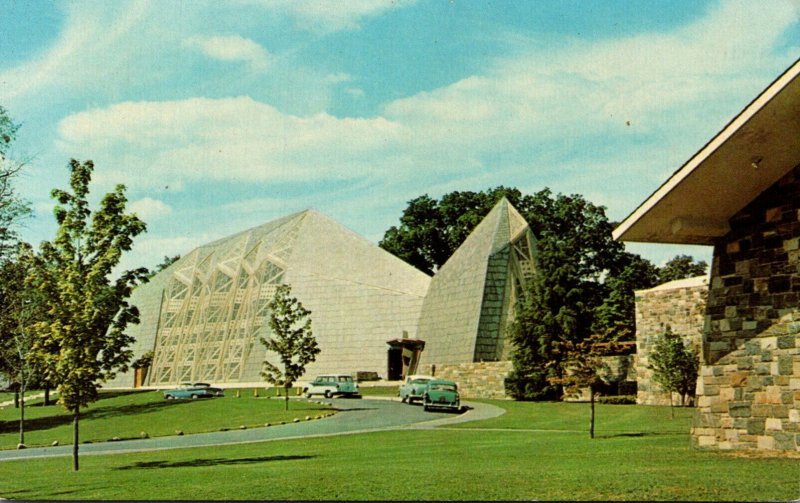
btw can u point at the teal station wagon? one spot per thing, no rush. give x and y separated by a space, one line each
333 385
441 394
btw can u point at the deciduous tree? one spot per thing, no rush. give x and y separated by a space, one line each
82 342
682 266
675 365
292 340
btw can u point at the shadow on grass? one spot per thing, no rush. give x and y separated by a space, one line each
641 434
96 412
209 462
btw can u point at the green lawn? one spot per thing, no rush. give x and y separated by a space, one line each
126 415
640 454
609 419
379 390
417 465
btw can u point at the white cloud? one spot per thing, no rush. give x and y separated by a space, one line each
324 16
149 209
231 48
164 143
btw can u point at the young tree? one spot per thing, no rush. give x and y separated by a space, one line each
20 307
584 368
680 267
83 342
675 366
292 340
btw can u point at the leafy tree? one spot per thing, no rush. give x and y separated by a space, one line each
292 340
675 365
584 368
12 207
20 307
83 342
586 278
682 266
166 262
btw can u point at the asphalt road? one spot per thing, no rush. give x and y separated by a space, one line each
353 416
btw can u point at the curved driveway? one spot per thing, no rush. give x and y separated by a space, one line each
353 416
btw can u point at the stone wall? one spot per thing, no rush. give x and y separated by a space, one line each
679 305
475 380
749 390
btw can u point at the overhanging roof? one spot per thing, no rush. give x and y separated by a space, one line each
751 153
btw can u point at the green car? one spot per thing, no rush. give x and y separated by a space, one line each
193 391
441 394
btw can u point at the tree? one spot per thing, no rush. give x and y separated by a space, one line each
20 307
680 267
166 262
675 365
292 340
82 342
584 368
12 207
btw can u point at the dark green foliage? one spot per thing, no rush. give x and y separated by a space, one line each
617 399
166 262
292 340
682 266
675 365
585 279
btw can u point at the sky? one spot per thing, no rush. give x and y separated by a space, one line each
220 116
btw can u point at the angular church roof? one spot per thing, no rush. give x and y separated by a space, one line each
465 302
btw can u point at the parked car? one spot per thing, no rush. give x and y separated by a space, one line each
414 387
441 394
193 391
333 385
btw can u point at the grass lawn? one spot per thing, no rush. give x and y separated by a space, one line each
368 391
417 465
570 416
127 414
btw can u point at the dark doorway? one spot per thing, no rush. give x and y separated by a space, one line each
395 370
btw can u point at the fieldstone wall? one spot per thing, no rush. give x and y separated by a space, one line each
679 305
749 390
475 380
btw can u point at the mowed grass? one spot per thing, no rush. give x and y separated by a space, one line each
573 416
417 465
369 391
127 414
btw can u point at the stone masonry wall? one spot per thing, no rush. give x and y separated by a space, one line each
749 390
475 380
679 305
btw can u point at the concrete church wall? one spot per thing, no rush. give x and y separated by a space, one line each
749 389
679 305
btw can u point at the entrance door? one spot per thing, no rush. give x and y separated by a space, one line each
395 366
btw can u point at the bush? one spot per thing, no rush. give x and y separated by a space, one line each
533 387
617 399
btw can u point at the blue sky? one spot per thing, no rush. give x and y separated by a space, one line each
219 116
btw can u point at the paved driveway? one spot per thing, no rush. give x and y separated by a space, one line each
354 416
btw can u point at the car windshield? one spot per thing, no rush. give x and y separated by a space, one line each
419 381
443 387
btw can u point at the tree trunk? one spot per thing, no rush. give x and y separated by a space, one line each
591 417
286 393
75 438
671 407
46 395
22 417
16 398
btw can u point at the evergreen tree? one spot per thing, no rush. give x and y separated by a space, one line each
82 341
292 340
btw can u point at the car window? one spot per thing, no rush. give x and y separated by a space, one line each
443 387
419 381
345 379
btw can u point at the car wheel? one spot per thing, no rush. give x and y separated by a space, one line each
169 397
308 395
194 397
327 393
425 407
402 399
